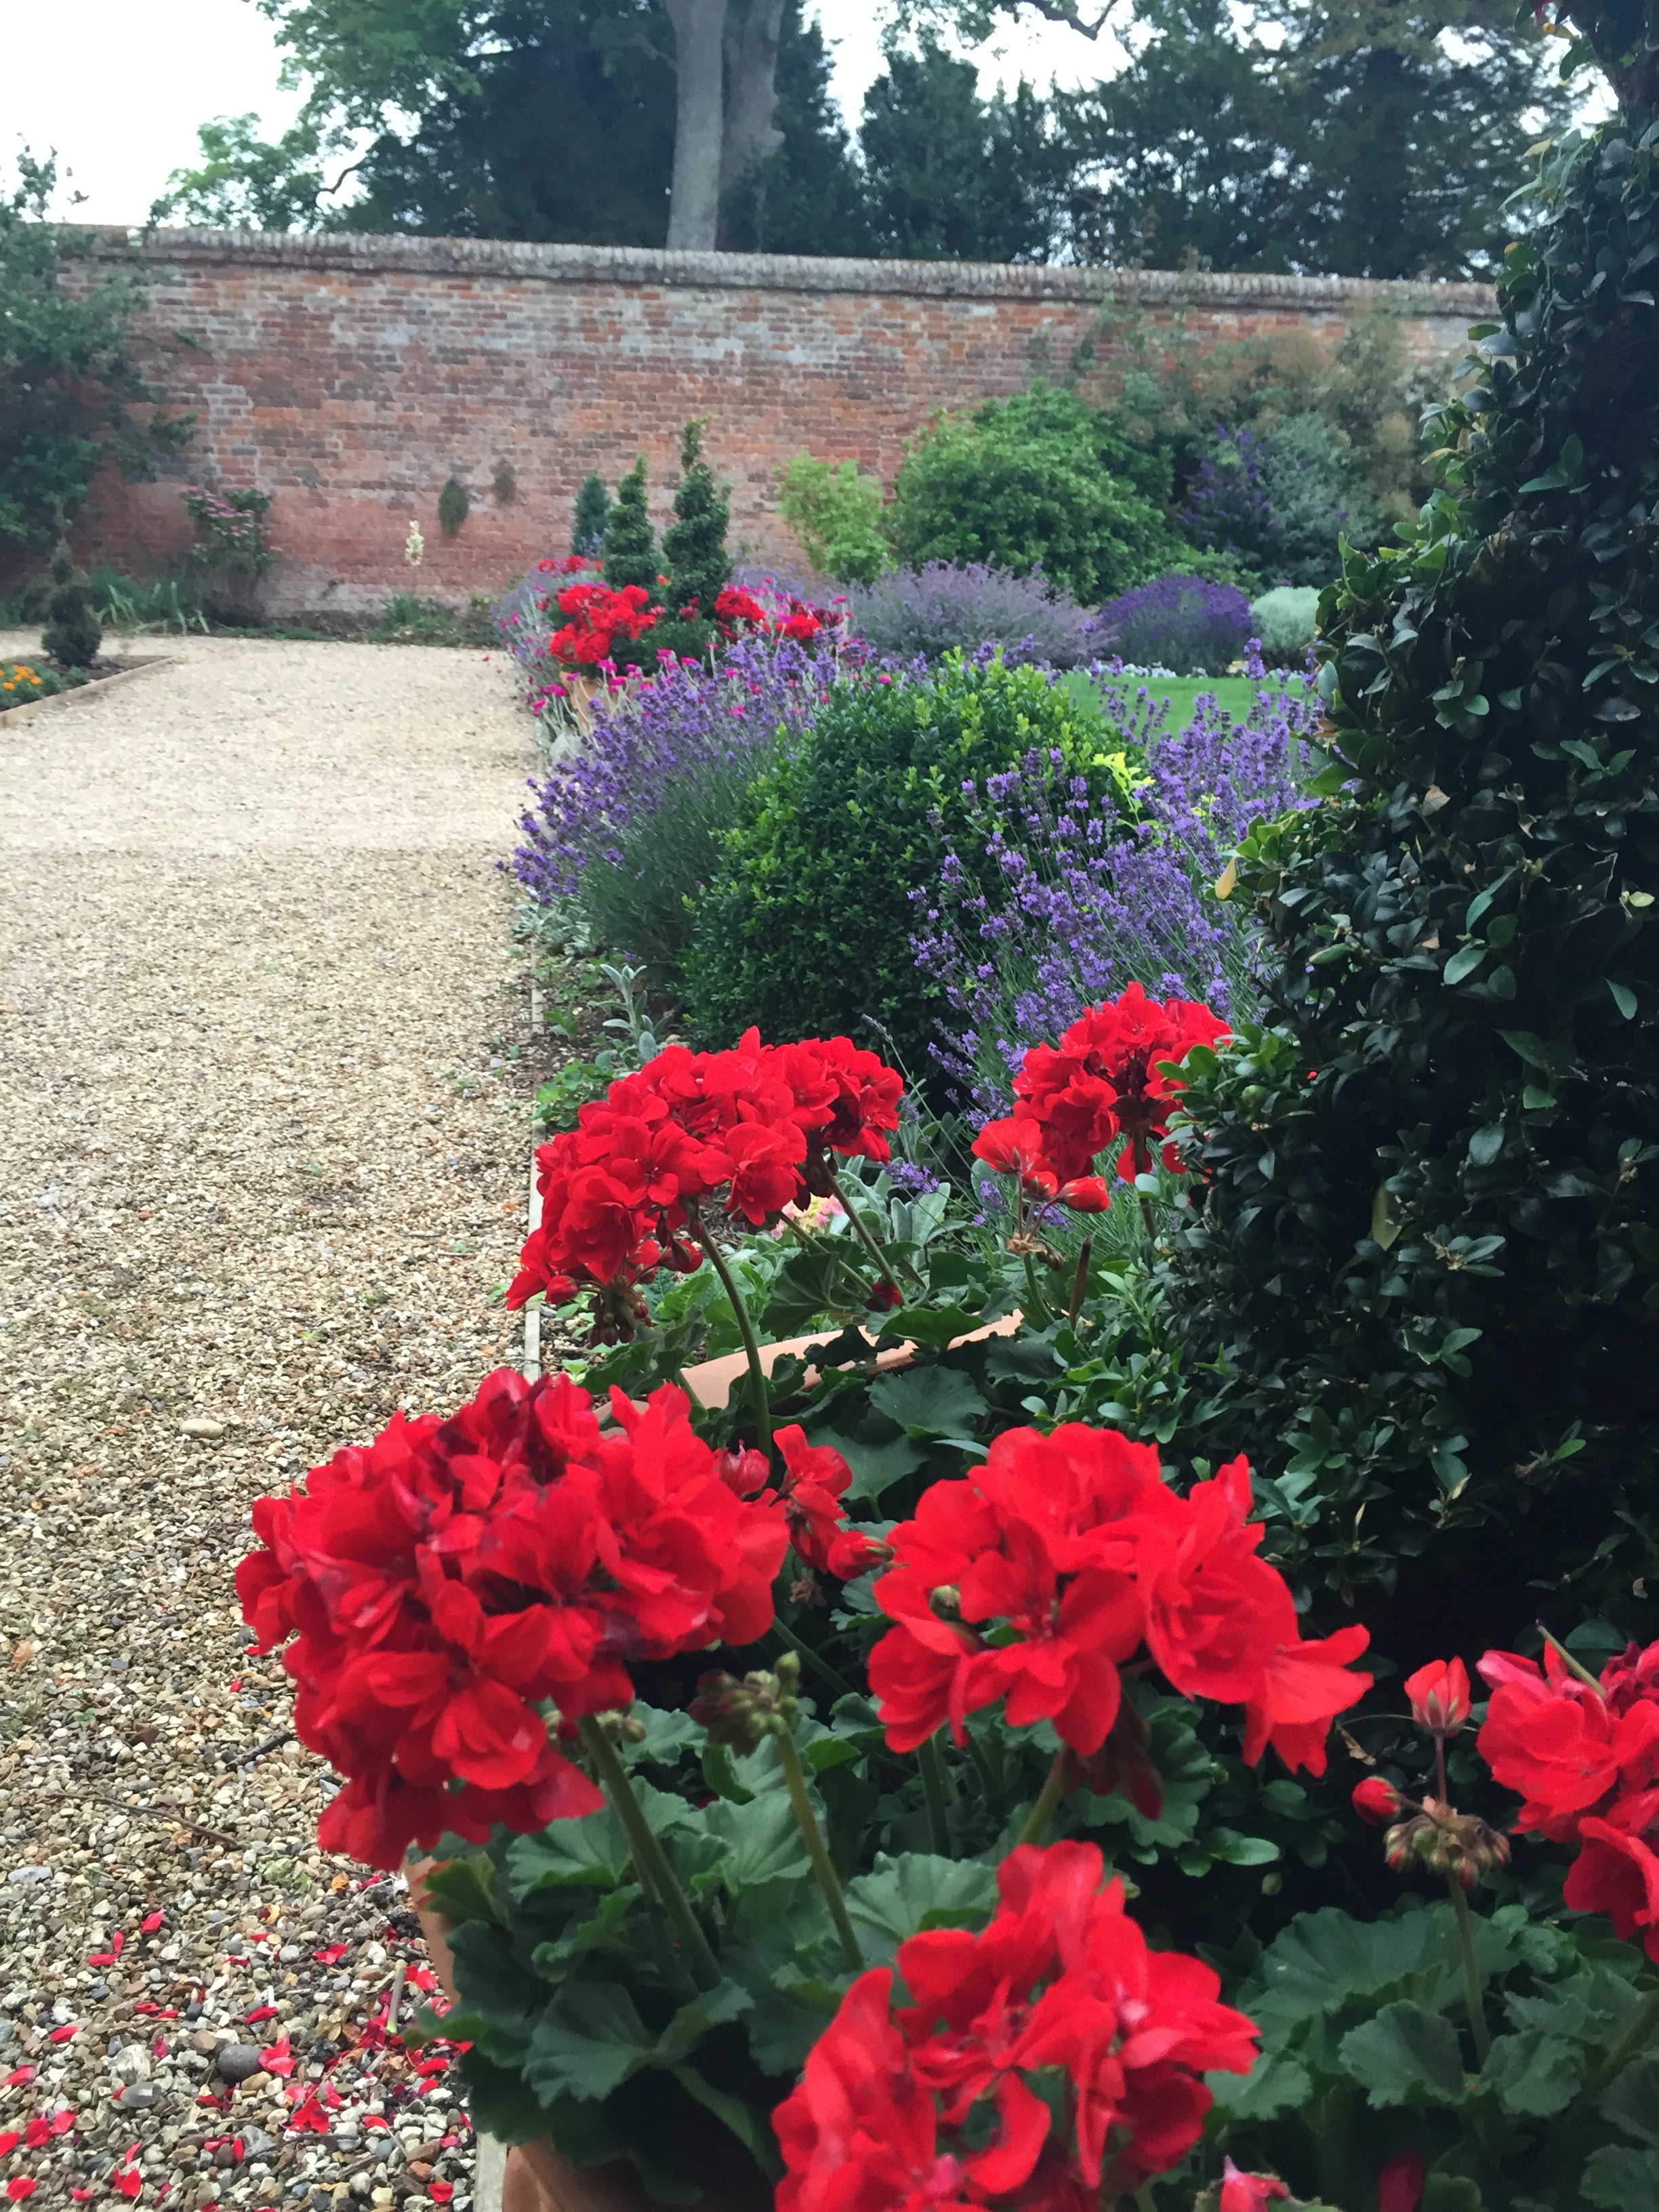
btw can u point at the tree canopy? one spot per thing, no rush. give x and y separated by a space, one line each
1353 138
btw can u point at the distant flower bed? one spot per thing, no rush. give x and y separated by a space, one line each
20 684
563 620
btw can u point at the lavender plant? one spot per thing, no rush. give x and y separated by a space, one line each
627 827
924 613
1090 905
1183 622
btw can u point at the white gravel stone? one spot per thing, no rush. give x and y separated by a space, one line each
258 1179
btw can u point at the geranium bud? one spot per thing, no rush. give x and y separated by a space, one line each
740 1714
1397 1846
1247 2192
1378 1801
1439 1695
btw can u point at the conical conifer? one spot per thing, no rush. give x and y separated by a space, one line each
694 544
630 547
588 520
74 629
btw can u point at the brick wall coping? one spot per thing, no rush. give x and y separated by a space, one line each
651 266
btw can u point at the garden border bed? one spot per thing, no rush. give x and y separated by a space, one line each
96 686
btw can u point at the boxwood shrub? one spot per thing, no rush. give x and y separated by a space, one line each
807 927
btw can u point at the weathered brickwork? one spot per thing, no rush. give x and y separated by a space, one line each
350 377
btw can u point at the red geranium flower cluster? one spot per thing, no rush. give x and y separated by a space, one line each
446 1582
931 2103
1105 1079
738 613
1585 1758
760 1122
1073 1545
596 616
815 1480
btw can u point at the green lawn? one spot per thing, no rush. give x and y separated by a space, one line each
1234 693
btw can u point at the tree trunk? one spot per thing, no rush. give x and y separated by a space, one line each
752 31
699 121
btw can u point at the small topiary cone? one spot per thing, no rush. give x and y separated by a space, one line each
74 630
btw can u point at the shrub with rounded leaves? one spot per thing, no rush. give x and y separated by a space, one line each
806 925
1038 480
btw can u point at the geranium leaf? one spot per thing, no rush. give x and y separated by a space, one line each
667 1735
1533 2073
1407 2056
587 2044
750 2127
1235 1850
589 1853
759 1842
937 1326
500 2100
875 1467
1619 2179
464 1888
929 1401
904 1895
1632 2102
1274 2084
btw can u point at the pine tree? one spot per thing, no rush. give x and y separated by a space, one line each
694 544
630 547
592 512
74 630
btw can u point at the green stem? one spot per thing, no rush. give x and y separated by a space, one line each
1473 1980
812 1836
1569 1661
1039 1316
869 1242
1080 1279
655 1871
1043 1811
746 1330
933 1791
791 1642
980 1765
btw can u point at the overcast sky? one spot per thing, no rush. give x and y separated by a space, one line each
123 116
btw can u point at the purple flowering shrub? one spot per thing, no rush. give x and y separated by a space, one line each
1089 904
627 825
1184 624
921 614
1229 508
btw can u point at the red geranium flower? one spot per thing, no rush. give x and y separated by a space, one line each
932 2103
1074 1543
451 1577
621 1192
1019 1147
1114 1070
1439 1697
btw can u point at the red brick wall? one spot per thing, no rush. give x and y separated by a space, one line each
350 377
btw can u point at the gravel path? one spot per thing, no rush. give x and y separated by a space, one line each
262 1158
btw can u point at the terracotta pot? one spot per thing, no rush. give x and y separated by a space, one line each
539 2178
711 1382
